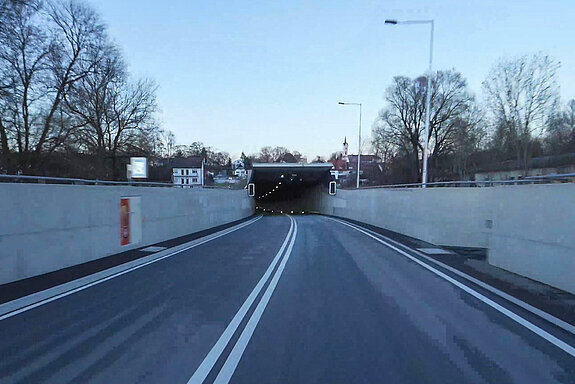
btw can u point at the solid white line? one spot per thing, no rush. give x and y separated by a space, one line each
23 304
212 357
528 307
547 336
229 367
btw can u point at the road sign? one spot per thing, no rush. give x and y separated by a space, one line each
139 167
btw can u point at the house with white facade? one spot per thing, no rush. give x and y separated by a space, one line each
239 163
240 172
188 172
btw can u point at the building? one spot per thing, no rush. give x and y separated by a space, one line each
538 166
240 172
188 172
341 163
366 161
239 163
371 168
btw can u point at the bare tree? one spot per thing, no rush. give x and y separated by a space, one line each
400 126
265 155
130 112
383 144
24 48
298 156
42 56
278 153
318 159
521 94
65 87
90 100
561 130
73 55
168 142
468 138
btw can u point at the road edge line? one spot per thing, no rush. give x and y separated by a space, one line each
507 312
514 300
37 299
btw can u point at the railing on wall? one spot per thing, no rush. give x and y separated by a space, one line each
75 181
66 180
544 179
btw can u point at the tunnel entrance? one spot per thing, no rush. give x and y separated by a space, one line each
288 187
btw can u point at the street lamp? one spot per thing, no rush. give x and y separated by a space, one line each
428 96
359 140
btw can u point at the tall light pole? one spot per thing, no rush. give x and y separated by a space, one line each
358 141
428 96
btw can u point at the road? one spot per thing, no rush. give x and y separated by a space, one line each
303 299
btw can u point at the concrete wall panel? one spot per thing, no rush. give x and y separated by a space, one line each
47 227
527 229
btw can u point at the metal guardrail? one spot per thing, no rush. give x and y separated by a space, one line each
544 179
75 181
66 180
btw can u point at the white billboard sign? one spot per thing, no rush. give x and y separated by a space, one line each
139 167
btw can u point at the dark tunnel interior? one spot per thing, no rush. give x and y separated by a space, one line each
289 188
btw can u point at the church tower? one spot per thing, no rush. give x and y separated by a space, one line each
345 150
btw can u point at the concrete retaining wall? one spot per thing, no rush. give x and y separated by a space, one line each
48 227
534 233
527 229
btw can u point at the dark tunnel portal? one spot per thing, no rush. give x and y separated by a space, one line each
288 187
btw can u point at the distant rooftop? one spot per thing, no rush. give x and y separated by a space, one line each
185 162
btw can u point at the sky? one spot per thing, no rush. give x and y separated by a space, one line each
239 75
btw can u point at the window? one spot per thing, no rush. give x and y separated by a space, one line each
182 181
182 172
187 172
195 179
187 181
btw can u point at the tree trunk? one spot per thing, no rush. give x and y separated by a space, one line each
415 174
4 148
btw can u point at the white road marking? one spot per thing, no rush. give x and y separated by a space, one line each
527 324
153 249
23 304
435 251
229 367
212 357
536 311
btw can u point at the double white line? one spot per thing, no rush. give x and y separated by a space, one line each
233 359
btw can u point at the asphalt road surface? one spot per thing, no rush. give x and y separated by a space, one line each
302 299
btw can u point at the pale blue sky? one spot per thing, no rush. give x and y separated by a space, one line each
238 75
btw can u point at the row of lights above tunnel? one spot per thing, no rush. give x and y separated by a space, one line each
270 192
294 175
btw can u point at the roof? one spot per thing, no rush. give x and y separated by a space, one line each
186 162
269 175
365 158
296 166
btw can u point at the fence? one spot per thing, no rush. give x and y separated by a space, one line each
75 181
544 179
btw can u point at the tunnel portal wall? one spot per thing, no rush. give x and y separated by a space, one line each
44 228
527 229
